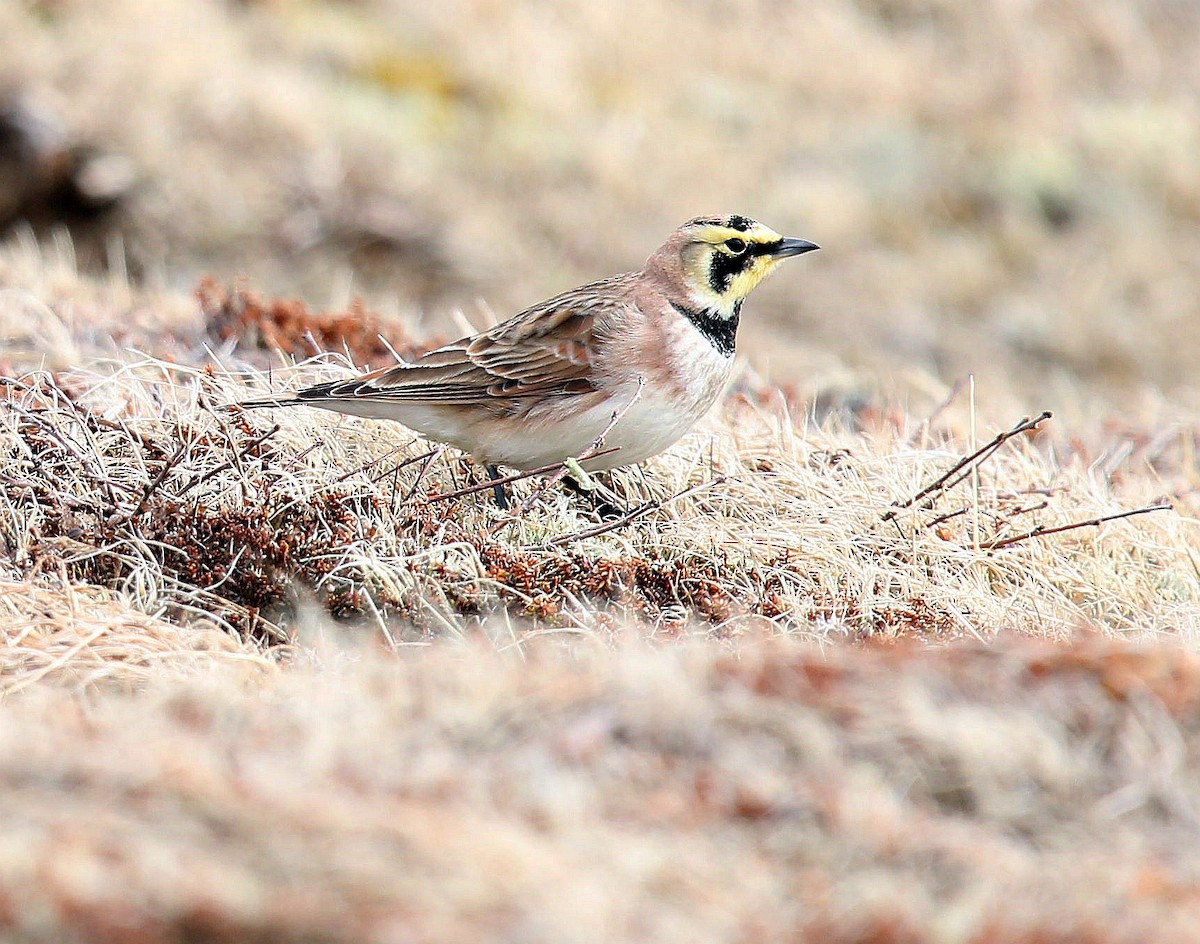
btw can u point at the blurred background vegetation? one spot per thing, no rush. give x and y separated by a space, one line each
1004 187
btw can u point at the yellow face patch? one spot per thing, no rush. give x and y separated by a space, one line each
729 261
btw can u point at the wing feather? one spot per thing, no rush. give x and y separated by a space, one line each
547 350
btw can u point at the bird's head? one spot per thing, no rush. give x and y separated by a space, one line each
718 260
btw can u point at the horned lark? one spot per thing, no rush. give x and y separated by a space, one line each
542 386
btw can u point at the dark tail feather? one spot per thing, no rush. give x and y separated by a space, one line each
299 398
260 404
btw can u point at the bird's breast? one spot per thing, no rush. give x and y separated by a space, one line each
678 363
683 375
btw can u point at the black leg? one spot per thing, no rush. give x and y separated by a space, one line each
498 489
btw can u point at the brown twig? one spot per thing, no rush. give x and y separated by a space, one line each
235 461
943 482
1041 532
429 459
305 453
412 460
367 465
153 485
942 519
632 516
102 423
505 480
1029 508
225 466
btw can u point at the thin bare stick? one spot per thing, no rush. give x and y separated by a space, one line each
304 454
235 461
1041 532
606 526
980 454
506 479
436 453
396 482
632 516
1029 508
367 465
398 466
153 485
941 519
987 452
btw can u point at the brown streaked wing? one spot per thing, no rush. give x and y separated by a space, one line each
546 350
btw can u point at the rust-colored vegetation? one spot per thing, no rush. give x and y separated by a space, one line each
287 326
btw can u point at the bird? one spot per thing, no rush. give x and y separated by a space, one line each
654 348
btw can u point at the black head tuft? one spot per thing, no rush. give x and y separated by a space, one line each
740 223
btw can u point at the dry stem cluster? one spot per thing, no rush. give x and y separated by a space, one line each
134 477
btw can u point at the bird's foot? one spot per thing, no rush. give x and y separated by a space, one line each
606 508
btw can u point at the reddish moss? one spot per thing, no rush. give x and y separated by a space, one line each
287 325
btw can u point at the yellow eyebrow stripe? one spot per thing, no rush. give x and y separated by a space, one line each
715 233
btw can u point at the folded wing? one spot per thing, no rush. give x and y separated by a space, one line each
548 350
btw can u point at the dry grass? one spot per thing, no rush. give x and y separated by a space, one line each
1013 794
130 475
80 637
286 677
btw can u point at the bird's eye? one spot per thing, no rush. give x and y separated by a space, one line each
735 245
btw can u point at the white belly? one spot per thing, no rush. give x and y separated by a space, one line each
657 419
648 427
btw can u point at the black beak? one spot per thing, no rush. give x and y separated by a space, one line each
791 247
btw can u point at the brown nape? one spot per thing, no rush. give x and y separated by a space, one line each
669 266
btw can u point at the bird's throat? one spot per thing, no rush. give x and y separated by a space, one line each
718 327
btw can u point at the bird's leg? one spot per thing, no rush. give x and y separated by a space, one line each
493 473
607 510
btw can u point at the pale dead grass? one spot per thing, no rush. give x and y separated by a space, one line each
83 637
1008 794
129 474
